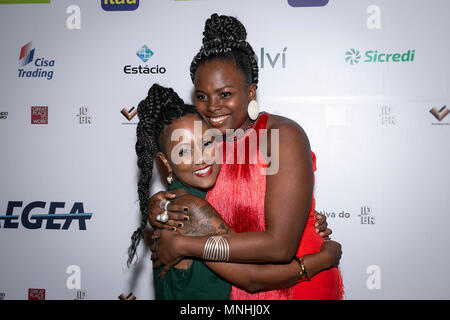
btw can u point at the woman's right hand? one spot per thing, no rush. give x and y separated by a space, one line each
333 250
176 213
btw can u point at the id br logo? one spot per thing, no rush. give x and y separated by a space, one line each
119 5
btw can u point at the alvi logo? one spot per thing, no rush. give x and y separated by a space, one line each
353 56
119 5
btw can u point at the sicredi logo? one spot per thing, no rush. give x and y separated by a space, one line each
353 56
308 3
119 5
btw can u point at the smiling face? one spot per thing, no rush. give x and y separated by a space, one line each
183 139
221 94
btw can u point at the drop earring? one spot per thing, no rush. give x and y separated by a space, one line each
253 110
170 178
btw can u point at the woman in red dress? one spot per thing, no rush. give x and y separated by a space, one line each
266 196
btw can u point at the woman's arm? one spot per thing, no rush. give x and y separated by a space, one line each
262 277
286 207
204 220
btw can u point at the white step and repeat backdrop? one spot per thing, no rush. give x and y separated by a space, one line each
369 81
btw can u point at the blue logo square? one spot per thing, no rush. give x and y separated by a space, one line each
144 53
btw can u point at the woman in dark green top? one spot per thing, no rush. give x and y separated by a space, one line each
175 133
194 282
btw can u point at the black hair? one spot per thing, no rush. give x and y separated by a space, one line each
159 109
224 38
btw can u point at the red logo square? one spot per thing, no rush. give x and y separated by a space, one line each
39 115
36 294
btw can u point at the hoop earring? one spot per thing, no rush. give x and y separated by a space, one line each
170 178
253 110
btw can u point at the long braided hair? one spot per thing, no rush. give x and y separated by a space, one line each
160 107
225 37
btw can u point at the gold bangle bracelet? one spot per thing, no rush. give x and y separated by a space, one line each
303 273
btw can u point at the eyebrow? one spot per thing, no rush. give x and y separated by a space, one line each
217 90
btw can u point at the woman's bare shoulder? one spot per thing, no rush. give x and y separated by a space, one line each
287 127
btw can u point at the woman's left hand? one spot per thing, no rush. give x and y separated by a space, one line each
164 250
322 226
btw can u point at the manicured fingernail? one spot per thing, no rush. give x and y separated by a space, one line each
186 209
173 229
186 218
180 225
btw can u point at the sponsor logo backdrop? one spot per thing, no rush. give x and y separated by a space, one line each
367 80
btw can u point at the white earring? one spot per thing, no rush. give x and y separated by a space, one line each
253 110
170 178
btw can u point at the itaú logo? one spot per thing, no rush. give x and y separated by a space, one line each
308 3
353 56
34 214
119 5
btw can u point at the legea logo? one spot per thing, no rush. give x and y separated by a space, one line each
119 5
353 56
308 3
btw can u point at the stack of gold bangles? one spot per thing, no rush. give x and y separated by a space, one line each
303 274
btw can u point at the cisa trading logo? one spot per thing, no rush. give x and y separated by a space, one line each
353 56
35 220
308 3
43 67
119 5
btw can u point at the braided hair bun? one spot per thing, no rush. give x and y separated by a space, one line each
225 37
223 29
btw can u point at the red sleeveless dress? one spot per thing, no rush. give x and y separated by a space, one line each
238 196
